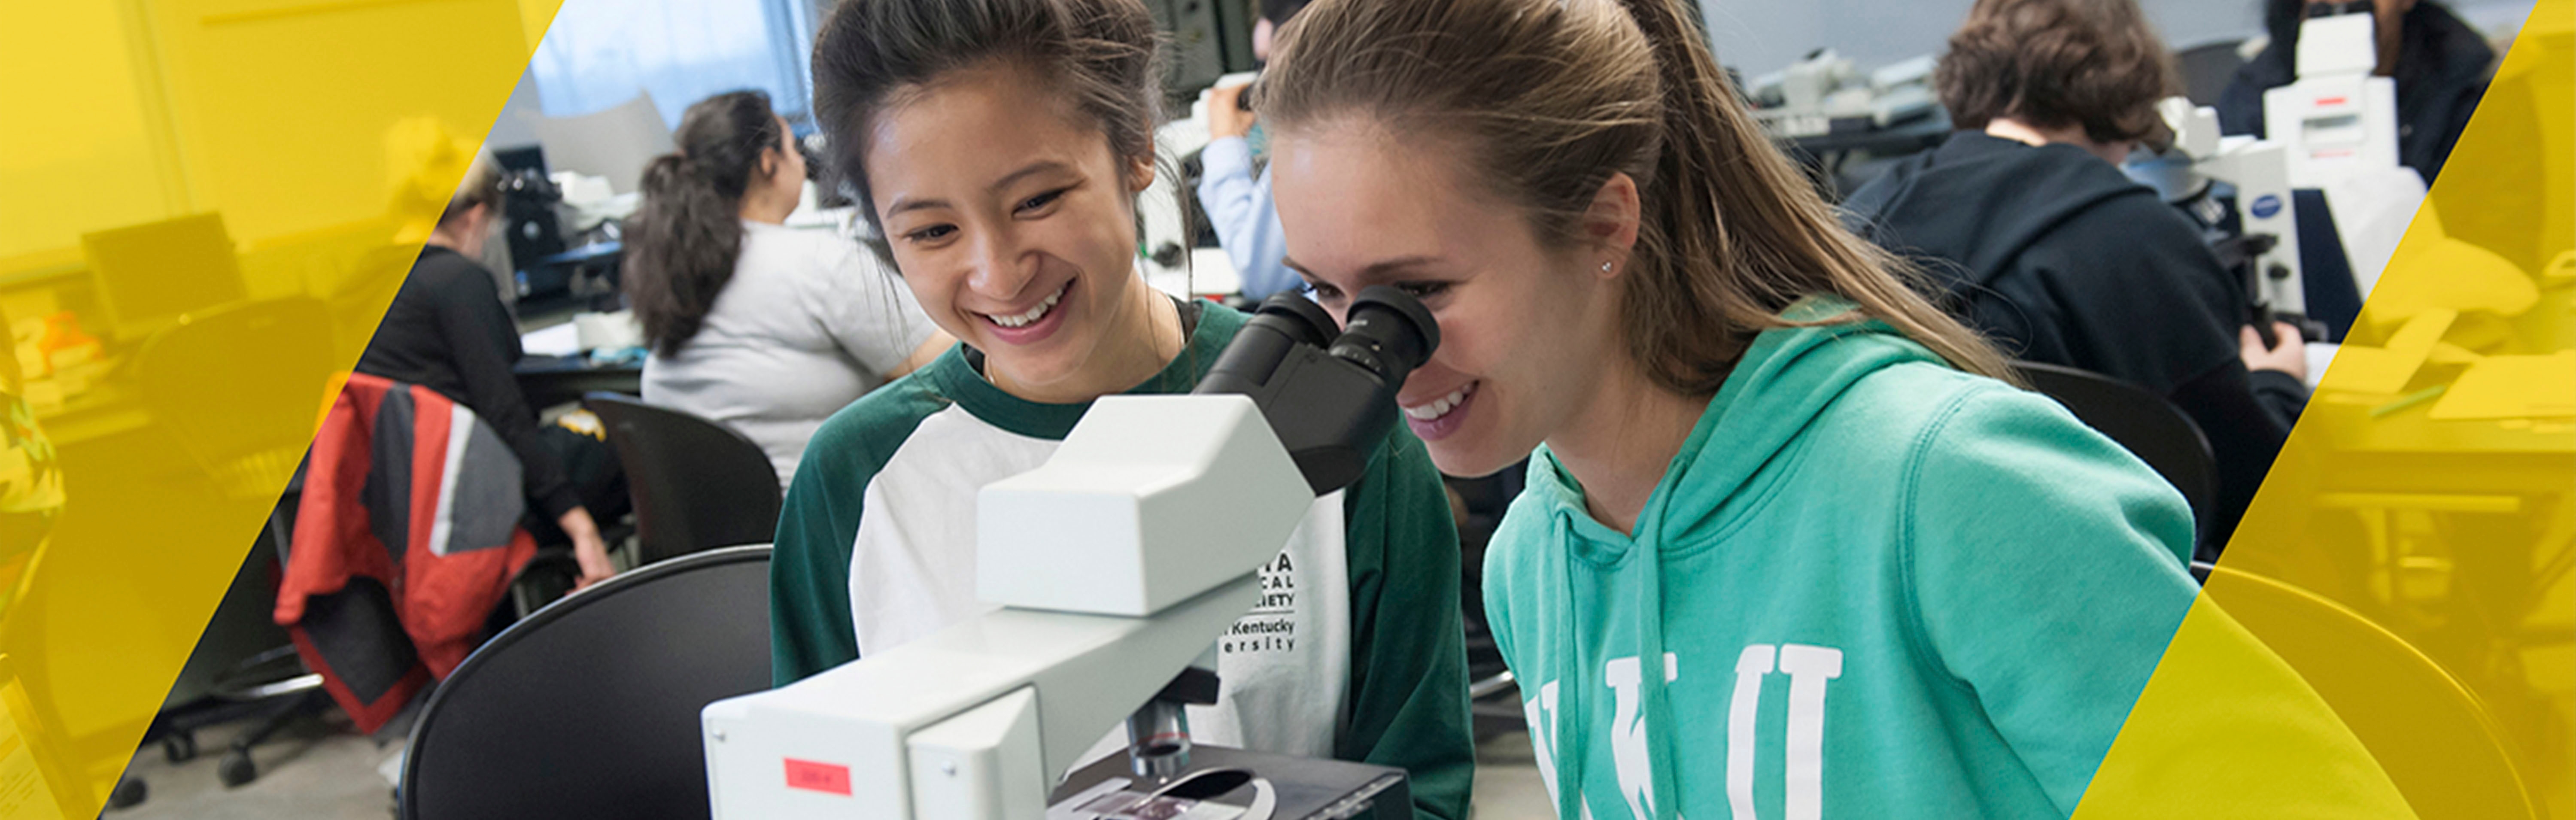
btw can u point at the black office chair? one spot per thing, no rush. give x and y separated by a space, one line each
589 708
244 666
268 361
2427 730
2151 428
697 484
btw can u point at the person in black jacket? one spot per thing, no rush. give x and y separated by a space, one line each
2024 222
448 331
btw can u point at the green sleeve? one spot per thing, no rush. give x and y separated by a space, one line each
810 628
809 574
1408 686
2042 576
2044 580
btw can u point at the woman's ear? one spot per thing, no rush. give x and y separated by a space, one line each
1140 174
1610 222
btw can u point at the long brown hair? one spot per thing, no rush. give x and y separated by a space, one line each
682 244
1550 97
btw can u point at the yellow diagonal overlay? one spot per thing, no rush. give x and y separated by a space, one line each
202 206
2409 555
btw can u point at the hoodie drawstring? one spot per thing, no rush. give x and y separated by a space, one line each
1569 736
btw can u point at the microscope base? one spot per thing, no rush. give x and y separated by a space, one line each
1301 788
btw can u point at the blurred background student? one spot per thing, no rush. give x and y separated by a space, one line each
751 323
447 330
1235 193
2024 223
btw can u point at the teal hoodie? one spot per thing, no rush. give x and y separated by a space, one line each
1878 587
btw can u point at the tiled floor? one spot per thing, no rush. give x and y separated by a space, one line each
1507 783
318 768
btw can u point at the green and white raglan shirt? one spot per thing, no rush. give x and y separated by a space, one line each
1354 652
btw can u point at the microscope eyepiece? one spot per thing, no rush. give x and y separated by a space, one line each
1298 316
1330 397
1390 333
1277 329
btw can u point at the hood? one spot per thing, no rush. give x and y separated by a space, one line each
1784 381
1976 202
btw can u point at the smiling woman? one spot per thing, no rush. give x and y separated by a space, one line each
999 146
1030 262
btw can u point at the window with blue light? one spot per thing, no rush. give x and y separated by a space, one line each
598 55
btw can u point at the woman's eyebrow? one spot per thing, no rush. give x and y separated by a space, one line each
1379 271
1030 170
902 204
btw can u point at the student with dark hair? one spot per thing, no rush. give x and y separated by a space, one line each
2029 231
766 328
1788 548
998 147
447 330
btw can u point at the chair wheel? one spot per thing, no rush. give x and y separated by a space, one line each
179 747
236 769
128 794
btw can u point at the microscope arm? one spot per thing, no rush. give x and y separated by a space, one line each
951 725
1116 564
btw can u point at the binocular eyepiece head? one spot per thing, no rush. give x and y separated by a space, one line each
1328 390
1390 333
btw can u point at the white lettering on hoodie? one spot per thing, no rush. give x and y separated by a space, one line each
1809 669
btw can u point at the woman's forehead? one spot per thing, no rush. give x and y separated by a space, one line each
981 119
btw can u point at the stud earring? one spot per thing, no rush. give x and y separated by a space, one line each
1605 267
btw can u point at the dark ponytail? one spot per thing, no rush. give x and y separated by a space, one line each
682 244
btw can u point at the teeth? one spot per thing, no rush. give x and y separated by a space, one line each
1034 314
1441 406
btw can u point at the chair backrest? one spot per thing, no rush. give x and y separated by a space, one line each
697 483
2151 428
2428 732
589 708
239 387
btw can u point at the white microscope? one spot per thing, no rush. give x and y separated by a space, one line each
2333 130
2337 118
2267 218
1117 564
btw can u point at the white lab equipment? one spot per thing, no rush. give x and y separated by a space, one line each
2266 215
1824 94
1117 563
2337 118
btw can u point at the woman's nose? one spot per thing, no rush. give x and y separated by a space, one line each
1001 270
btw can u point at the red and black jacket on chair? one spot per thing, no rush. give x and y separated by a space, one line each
406 537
